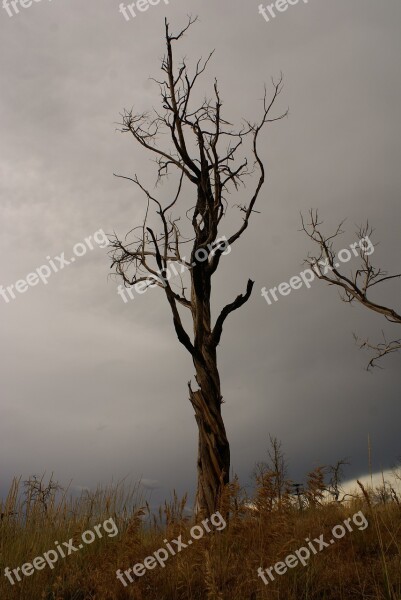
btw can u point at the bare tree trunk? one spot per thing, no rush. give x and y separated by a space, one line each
213 448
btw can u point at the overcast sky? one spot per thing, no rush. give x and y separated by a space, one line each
95 389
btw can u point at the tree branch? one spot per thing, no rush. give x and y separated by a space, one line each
356 285
229 308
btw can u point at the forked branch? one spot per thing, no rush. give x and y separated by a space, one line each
355 286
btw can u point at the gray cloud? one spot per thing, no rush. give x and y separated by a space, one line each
95 389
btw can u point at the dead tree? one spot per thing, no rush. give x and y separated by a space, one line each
355 287
336 473
39 493
204 152
278 466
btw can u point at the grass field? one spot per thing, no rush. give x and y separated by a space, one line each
222 565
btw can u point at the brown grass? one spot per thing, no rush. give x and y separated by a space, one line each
363 565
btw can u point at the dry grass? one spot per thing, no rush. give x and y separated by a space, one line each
220 566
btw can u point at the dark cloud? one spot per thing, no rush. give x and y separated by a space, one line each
94 389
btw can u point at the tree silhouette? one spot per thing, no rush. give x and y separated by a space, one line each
205 155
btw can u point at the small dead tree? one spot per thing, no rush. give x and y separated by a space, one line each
336 473
273 487
205 154
278 465
355 287
38 493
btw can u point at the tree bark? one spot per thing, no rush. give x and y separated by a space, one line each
213 464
